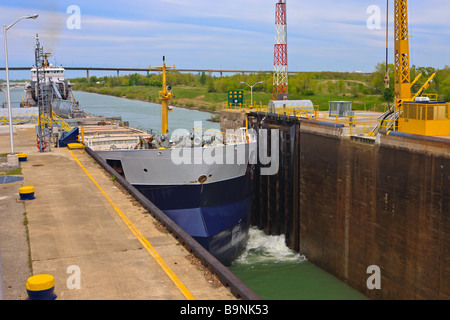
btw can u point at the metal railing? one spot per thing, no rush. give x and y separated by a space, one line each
356 124
295 111
387 125
431 96
60 121
20 119
426 112
238 136
34 119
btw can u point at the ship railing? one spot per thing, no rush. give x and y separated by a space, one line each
96 138
242 135
89 141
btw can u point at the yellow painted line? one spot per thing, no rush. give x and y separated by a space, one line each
141 238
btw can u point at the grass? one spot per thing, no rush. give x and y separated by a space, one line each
11 172
199 98
25 223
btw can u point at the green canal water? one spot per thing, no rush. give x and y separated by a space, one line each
267 266
275 272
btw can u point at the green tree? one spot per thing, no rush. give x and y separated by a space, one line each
203 78
377 83
210 85
331 87
341 86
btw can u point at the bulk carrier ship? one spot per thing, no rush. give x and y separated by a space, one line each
203 183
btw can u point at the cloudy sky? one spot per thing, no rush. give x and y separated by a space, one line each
323 35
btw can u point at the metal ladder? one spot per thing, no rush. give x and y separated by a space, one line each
42 93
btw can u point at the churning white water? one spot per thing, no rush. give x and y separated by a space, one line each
262 248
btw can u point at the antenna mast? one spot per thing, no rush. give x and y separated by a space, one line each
280 76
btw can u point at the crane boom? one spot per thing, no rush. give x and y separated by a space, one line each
424 87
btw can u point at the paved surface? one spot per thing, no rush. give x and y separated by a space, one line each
74 230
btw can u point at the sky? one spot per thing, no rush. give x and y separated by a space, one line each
323 35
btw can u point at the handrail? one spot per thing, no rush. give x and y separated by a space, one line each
232 138
215 131
357 123
93 137
22 117
296 111
62 123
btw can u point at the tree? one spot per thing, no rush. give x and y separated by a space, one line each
378 84
203 78
331 87
341 86
210 85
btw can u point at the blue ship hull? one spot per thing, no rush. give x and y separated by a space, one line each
217 214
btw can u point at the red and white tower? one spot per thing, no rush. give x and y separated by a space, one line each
280 76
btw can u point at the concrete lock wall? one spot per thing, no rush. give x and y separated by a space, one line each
349 206
385 205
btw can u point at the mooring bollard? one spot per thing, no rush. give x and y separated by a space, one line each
23 157
26 193
75 146
41 287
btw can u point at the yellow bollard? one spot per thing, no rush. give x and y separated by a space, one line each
41 287
22 157
26 193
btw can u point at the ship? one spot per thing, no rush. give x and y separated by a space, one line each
59 91
201 180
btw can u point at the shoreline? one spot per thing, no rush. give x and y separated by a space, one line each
155 102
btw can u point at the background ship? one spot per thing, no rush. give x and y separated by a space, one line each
58 89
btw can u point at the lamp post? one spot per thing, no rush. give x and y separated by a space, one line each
251 89
8 94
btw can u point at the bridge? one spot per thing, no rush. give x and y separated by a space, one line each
148 70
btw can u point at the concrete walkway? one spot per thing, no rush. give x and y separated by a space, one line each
78 235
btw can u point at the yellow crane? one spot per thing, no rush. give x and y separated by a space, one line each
402 57
410 114
165 95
